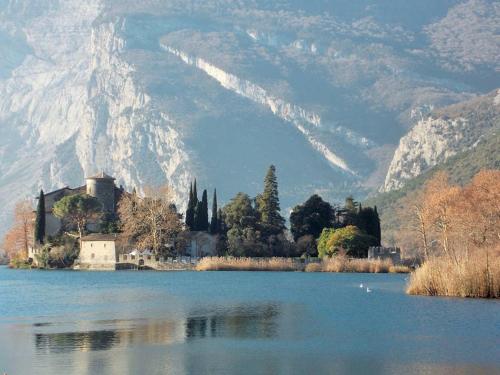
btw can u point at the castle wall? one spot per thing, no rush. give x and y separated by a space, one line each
104 191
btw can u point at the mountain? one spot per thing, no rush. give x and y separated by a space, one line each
460 162
159 91
446 132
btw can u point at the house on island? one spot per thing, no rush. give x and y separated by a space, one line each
100 186
98 252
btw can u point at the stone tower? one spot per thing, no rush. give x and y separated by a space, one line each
102 187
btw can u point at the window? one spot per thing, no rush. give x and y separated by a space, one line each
124 257
104 245
92 256
91 245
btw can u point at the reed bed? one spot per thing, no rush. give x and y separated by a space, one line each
344 264
248 264
479 276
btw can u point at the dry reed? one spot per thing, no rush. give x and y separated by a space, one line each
440 276
248 264
344 264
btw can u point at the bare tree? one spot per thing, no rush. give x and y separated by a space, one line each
152 221
21 234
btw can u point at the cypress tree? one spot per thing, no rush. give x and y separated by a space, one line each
195 194
198 214
204 212
40 219
214 225
190 212
269 203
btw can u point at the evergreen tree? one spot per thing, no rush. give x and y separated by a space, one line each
221 224
214 225
350 214
40 219
201 214
369 222
190 211
195 194
204 212
378 231
268 203
311 217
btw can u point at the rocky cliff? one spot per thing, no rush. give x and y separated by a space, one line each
445 133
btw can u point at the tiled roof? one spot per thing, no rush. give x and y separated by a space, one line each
101 176
100 237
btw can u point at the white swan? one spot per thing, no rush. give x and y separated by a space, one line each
361 285
368 290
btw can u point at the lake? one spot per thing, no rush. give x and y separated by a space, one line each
130 322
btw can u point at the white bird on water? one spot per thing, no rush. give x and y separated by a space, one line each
368 290
361 285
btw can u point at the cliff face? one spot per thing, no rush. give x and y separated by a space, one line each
445 133
159 91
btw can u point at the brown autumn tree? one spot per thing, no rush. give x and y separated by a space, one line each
464 224
452 220
150 222
21 234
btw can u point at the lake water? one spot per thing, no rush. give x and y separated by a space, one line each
129 322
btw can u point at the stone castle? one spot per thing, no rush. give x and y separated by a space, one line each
100 186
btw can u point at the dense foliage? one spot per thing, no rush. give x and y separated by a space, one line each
77 210
349 240
311 217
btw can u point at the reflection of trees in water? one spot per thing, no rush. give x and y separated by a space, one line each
69 341
124 332
246 321
242 322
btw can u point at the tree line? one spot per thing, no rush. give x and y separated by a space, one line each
249 226
245 226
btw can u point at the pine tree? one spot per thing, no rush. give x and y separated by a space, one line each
40 219
268 203
214 225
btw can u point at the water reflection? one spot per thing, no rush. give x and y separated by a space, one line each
243 322
117 333
247 321
69 341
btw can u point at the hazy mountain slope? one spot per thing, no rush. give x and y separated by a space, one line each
461 167
444 133
161 91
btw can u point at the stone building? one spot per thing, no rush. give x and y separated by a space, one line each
201 244
383 253
100 186
98 252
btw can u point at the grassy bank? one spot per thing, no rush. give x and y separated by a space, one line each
248 264
479 276
342 264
